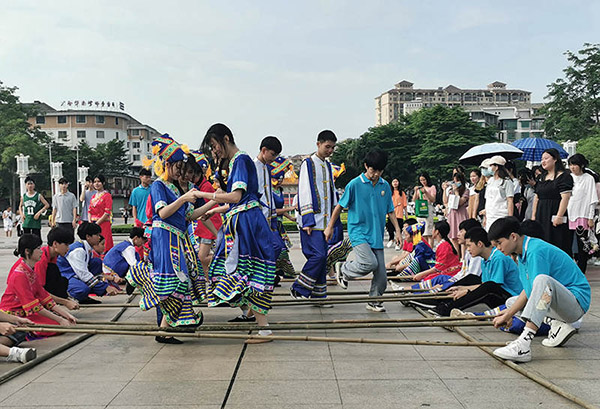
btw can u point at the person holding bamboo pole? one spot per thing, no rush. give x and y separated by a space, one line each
368 199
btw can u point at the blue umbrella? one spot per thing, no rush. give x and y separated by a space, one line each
534 147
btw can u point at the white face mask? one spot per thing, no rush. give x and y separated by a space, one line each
487 172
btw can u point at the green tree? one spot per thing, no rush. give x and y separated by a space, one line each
590 148
573 110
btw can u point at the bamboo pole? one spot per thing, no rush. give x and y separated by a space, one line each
269 337
329 279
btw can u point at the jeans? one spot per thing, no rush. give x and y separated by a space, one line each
549 298
367 260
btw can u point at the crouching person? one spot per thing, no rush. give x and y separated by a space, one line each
77 267
121 257
555 291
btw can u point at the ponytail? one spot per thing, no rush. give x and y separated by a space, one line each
443 229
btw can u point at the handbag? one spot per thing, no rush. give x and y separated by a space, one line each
421 207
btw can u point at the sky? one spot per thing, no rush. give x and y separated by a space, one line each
289 69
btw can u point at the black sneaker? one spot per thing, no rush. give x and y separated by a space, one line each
277 280
168 340
90 300
243 318
296 295
129 289
339 276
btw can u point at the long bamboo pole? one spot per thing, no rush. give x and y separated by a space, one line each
329 279
260 337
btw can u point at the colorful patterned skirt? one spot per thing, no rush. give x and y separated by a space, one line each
242 271
174 282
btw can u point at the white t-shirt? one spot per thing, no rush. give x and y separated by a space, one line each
496 193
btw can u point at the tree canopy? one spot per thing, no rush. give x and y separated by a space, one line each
431 139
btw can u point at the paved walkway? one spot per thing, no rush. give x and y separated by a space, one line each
107 371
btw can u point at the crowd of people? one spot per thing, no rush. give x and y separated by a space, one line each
210 228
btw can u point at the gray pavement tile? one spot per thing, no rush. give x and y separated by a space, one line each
174 393
165 406
382 369
373 352
52 407
506 393
487 368
188 370
285 370
450 353
402 393
77 392
408 405
288 351
317 405
282 393
200 351
561 369
101 371
586 389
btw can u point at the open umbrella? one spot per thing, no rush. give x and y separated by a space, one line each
477 154
534 147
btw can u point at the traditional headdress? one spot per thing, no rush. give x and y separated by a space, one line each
202 160
416 230
338 170
280 167
165 150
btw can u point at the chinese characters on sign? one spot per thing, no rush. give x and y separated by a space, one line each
89 104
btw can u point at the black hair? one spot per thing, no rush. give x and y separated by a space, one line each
62 181
503 228
376 159
218 133
502 172
579 160
511 167
558 166
326 135
145 172
410 222
426 176
444 229
532 228
89 179
469 224
88 229
477 171
29 179
272 144
136 232
101 238
60 235
524 176
192 166
478 234
27 242
459 169
463 183
102 180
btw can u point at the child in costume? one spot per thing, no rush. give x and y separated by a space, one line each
421 258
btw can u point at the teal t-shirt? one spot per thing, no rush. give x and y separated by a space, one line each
540 257
139 197
503 270
367 206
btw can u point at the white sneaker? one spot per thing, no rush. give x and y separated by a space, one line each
456 313
397 248
597 262
515 351
396 287
559 333
390 244
339 276
22 355
375 307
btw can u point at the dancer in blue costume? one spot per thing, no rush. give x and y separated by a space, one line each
243 268
172 281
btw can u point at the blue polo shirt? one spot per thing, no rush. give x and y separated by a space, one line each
139 197
367 207
503 270
540 257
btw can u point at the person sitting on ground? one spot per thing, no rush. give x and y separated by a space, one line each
77 267
47 271
499 276
420 258
25 296
468 275
10 338
446 256
555 290
405 249
121 257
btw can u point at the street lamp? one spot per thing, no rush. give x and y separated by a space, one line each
56 174
22 170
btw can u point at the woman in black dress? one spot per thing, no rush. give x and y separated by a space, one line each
552 194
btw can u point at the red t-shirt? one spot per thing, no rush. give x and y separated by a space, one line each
201 230
24 295
446 262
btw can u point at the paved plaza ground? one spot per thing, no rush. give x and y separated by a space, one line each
109 371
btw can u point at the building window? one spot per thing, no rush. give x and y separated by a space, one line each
99 119
80 119
127 144
117 134
136 158
62 134
62 119
118 183
116 121
525 124
100 134
148 147
80 134
135 132
136 145
40 119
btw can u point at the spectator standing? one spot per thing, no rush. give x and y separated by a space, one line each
86 197
7 219
527 180
100 210
499 192
31 208
426 191
64 207
475 177
457 206
552 194
139 198
400 204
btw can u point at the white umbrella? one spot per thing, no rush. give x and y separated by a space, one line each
477 154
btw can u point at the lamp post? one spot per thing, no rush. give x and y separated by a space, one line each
82 172
56 174
22 170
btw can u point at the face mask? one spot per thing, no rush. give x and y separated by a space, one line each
487 172
458 184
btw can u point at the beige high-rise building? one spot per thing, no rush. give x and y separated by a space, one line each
404 99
